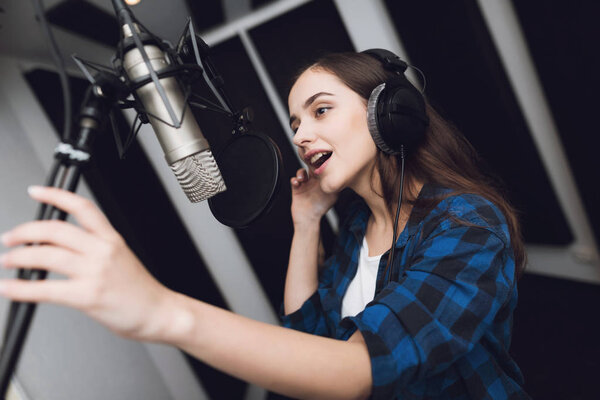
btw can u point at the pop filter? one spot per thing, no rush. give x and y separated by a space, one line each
251 166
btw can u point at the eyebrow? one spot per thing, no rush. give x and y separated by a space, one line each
308 102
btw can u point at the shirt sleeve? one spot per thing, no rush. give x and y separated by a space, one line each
459 278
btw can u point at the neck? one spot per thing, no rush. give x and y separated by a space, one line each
380 215
381 219
369 188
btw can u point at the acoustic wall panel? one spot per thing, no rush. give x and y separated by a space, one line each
259 3
206 14
85 19
562 37
555 342
295 39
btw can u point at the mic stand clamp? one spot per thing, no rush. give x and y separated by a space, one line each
242 121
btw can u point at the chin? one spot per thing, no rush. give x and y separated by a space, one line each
329 186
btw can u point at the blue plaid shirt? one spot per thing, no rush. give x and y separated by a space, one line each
441 327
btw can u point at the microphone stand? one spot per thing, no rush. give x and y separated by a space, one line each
70 159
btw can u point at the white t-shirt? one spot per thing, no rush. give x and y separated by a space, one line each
362 288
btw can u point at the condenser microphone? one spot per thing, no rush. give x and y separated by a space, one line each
186 149
155 73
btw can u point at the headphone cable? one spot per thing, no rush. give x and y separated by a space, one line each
395 227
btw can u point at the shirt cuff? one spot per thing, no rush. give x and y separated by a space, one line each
304 319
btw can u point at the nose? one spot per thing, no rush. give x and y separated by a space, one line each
303 135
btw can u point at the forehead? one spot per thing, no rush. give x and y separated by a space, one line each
314 81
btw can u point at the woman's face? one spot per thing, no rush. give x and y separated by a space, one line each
331 132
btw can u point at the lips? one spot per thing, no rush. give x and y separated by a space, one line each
317 159
320 166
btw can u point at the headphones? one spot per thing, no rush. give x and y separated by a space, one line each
397 121
396 114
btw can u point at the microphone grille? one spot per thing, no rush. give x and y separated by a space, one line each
199 176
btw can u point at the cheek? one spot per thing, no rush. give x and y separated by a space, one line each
355 146
363 146
355 135
361 130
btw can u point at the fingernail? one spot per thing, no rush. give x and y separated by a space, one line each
4 238
2 259
33 190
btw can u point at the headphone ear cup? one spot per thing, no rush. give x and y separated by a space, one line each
396 116
373 117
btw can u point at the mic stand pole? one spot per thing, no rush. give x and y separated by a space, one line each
69 161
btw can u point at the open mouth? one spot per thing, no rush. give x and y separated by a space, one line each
319 159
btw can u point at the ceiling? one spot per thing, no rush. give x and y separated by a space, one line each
21 36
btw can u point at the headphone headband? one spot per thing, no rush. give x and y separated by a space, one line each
389 60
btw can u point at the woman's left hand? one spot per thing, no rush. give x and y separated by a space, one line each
104 278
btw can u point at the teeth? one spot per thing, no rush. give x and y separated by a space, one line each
316 156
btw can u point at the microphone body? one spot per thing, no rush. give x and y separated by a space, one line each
186 150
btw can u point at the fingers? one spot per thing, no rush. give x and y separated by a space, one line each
84 211
49 258
301 176
58 233
52 291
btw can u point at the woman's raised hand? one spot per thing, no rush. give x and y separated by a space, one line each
309 202
104 278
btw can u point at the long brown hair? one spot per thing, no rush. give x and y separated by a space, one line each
445 157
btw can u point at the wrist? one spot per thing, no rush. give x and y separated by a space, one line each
308 227
175 319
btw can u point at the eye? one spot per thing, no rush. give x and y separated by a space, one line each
321 110
294 125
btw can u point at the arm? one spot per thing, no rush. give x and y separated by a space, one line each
106 281
301 278
309 204
282 360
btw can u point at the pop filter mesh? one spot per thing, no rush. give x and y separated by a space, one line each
250 166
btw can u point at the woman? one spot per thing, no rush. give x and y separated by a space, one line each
433 322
